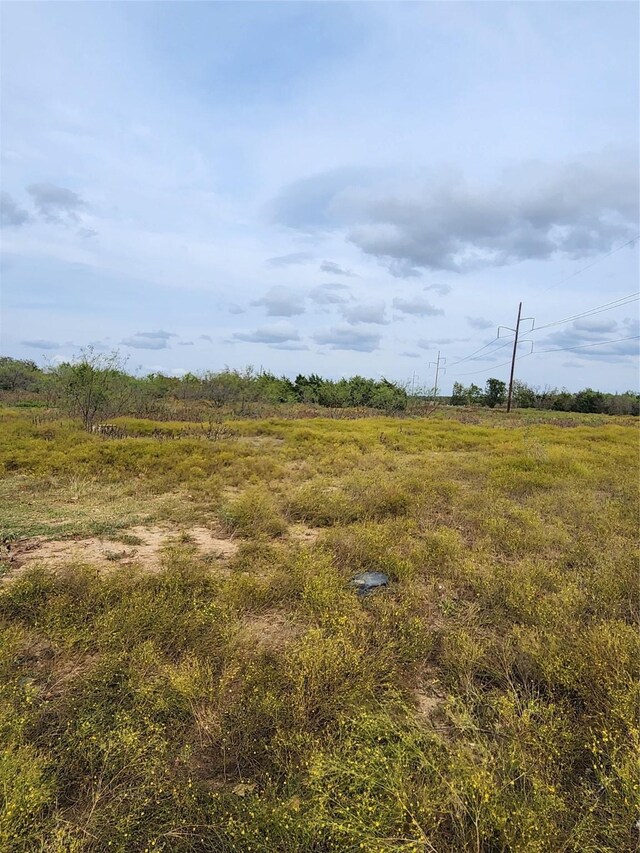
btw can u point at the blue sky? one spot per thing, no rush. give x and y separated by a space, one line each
336 188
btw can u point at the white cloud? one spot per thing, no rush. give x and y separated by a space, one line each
365 313
578 208
278 333
335 269
417 306
329 294
282 301
346 338
587 335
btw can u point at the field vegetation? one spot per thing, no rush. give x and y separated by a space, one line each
96 386
249 700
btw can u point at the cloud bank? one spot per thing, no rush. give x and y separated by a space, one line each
535 211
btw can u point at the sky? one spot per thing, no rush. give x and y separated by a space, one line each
338 188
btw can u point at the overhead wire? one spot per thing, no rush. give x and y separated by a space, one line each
471 355
493 367
607 306
599 309
485 370
588 267
556 349
585 346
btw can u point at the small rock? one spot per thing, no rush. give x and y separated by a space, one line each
367 582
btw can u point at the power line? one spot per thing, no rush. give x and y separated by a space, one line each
506 343
585 346
599 309
617 303
467 357
470 357
588 267
557 349
487 369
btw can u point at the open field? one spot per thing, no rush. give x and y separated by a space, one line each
184 666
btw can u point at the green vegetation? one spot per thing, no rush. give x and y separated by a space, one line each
486 701
95 387
586 401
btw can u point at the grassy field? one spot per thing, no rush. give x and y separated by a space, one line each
237 695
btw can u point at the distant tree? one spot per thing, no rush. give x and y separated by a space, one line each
389 396
307 388
623 404
495 393
474 394
469 396
18 375
589 400
93 386
335 395
158 386
524 397
275 389
190 387
458 395
228 387
559 401
96 386
361 391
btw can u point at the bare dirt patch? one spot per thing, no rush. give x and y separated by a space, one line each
427 704
106 553
271 630
303 534
429 697
210 543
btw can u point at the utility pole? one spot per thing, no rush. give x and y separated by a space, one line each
513 358
437 367
516 331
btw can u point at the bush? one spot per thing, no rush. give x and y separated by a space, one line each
254 513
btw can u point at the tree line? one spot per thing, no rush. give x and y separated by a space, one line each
96 386
561 400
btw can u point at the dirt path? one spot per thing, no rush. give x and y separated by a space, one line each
143 546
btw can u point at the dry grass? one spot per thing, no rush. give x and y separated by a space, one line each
241 697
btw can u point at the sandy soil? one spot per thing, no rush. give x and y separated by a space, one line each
106 554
